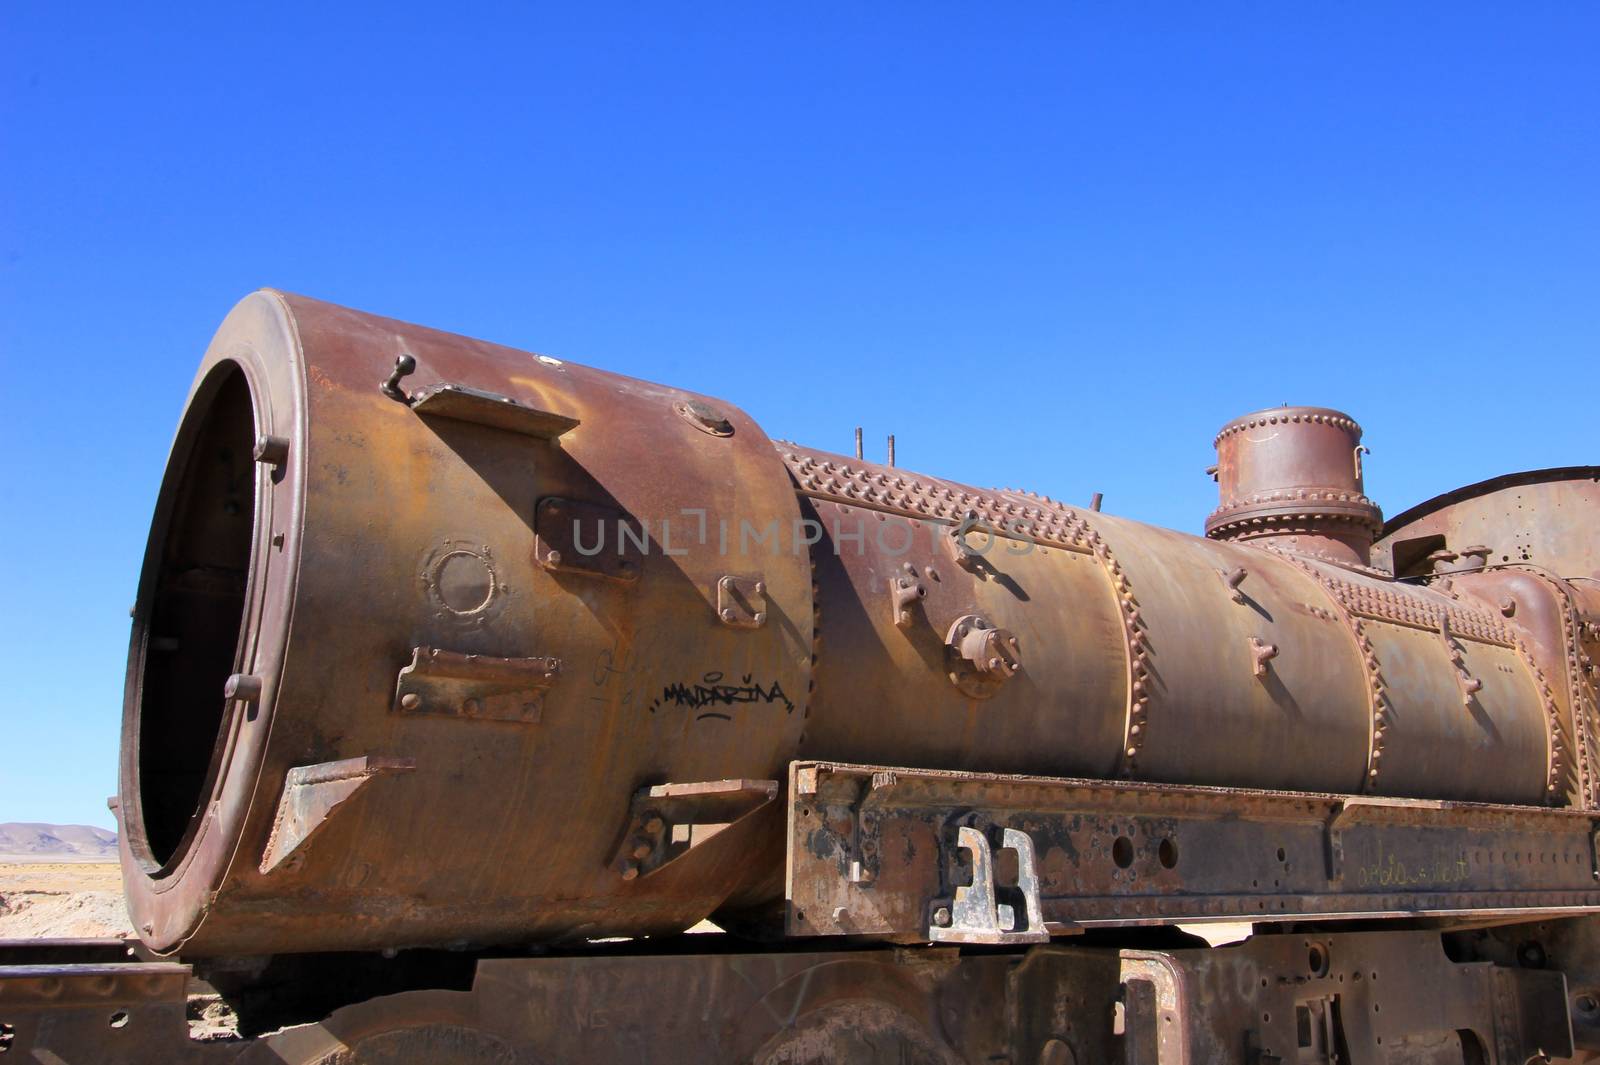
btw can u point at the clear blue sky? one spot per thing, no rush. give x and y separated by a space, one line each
1053 246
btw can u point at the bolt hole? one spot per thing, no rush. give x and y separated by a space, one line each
1317 960
1283 855
119 1019
1167 853
1587 1004
1122 852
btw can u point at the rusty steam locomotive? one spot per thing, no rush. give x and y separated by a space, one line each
463 679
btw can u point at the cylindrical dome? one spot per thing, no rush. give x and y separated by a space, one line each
1294 474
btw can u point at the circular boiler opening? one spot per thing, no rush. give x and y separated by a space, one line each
192 601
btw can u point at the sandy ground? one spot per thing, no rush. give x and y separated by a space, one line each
63 899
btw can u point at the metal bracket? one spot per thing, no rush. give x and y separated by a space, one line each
464 404
955 542
975 915
310 795
905 591
571 536
1232 579
452 684
667 821
1261 653
742 602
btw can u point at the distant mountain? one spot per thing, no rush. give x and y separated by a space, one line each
25 841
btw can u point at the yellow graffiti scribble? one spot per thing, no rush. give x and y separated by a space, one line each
1388 871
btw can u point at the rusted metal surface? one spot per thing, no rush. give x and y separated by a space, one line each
1384 997
576 657
550 590
1155 673
389 525
881 851
1300 997
79 1001
1292 475
1540 517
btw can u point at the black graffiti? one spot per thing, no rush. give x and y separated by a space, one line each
712 690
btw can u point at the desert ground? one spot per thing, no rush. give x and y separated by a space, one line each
61 899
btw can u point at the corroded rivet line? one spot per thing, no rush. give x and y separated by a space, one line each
1338 421
1379 709
1581 707
1037 519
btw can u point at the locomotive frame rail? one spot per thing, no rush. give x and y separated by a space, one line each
890 852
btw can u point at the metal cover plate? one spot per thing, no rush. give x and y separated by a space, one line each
588 538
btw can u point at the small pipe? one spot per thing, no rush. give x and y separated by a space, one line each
1094 504
891 449
858 441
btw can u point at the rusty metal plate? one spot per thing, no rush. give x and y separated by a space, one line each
1365 997
876 851
474 687
588 538
490 408
666 821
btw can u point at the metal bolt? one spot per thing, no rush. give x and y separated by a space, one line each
728 615
553 558
410 701
242 686
271 450
941 917
630 870
653 824
642 849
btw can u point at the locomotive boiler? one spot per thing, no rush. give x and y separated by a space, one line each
463 680
443 643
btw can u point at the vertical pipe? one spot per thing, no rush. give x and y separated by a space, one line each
858 441
891 449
